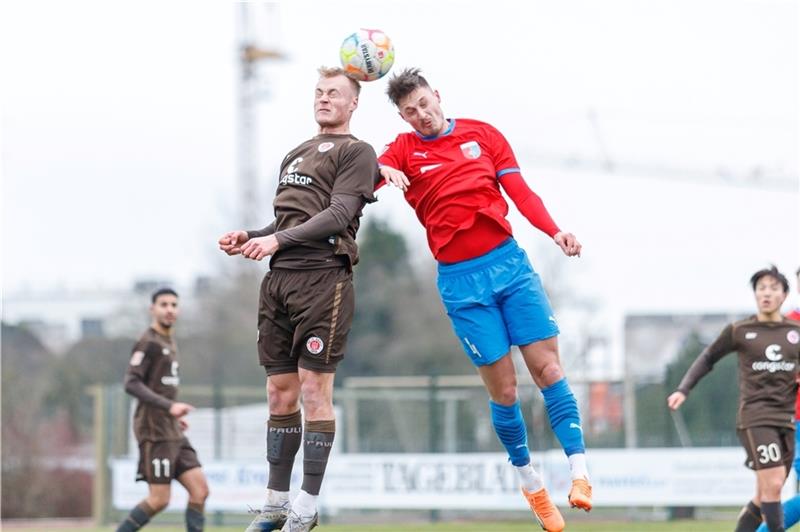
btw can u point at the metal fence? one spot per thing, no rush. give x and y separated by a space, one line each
427 414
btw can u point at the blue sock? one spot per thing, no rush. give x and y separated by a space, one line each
791 512
510 428
562 409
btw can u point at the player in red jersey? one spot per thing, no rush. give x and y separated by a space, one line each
795 315
452 172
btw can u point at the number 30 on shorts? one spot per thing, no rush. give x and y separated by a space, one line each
769 453
161 466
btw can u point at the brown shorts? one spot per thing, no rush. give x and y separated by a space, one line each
303 319
768 447
161 461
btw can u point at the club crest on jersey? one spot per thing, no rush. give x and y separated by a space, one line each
165 351
793 337
325 146
471 150
315 345
136 358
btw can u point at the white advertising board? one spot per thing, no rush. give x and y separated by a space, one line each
478 481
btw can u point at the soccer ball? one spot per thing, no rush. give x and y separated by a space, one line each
367 54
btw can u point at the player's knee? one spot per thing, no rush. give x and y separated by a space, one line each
282 400
158 502
771 489
550 373
316 402
506 395
199 494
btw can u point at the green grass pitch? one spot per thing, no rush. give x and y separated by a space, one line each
583 526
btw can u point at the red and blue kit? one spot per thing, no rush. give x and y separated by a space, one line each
455 188
795 315
493 296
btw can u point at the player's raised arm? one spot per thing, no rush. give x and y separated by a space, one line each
702 366
532 208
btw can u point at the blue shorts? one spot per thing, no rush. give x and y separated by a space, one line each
495 301
796 462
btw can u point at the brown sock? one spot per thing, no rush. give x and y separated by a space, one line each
773 515
749 518
284 434
317 446
137 518
195 520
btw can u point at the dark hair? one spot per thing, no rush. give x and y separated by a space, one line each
797 272
162 292
770 272
404 83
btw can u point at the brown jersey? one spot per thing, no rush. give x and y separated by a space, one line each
152 377
317 169
768 360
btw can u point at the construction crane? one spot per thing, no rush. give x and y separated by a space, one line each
257 35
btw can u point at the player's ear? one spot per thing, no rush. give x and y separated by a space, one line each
354 103
438 98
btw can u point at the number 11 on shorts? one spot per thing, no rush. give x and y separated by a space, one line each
158 465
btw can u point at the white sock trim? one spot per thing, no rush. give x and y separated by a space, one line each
577 466
277 498
305 504
529 478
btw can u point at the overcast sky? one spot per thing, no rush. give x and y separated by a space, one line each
119 130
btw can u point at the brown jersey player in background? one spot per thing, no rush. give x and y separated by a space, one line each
768 345
158 423
306 301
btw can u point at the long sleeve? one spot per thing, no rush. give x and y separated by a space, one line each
136 374
328 222
704 363
528 203
268 230
135 387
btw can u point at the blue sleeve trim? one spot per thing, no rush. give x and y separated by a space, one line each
505 171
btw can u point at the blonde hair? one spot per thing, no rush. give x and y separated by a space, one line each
332 72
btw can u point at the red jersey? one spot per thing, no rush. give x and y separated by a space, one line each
454 188
795 315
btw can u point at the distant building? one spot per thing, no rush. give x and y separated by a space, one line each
652 341
61 317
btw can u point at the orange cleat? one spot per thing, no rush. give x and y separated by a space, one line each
580 496
544 510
